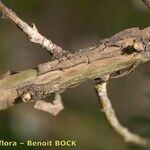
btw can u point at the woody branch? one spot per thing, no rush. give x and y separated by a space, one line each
107 109
31 32
123 50
108 56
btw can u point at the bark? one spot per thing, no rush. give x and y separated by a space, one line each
147 2
110 55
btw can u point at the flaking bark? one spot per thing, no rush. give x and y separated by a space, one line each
108 56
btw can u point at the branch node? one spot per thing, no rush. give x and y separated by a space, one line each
34 28
31 32
26 97
139 46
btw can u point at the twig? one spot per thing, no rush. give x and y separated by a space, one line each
31 32
52 108
147 2
126 71
111 117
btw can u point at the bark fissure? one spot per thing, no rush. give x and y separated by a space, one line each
108 56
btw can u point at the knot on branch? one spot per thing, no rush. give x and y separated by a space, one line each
30 93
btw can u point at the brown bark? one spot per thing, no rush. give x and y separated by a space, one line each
108 56
123 50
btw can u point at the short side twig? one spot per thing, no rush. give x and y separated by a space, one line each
52 108
31 32
121 73
147 2
111 117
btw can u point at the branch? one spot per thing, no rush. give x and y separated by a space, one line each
53 108
31 32
147 2
119 54
111 117
111 55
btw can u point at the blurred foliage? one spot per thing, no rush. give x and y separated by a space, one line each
26 5
147 95
144 122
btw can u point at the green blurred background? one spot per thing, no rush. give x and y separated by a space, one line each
75 24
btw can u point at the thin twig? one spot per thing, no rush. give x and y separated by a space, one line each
121 73
111 117
31 32
52 108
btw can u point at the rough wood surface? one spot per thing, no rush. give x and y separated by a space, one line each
112 57
108 56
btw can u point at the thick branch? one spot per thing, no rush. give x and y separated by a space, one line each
110 55
123 50
120 53
111 117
